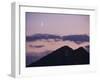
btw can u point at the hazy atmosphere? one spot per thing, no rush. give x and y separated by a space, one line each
56 23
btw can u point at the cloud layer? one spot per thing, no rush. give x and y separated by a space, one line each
75 38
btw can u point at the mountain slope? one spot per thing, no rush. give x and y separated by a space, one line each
81 56
64 56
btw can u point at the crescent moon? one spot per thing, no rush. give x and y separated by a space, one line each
42 23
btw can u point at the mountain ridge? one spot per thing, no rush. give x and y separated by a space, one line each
63 56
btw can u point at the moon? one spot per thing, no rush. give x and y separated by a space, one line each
42 24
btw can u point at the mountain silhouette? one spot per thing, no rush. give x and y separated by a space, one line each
63 56
81 56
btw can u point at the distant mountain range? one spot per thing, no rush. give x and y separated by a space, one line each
75 38
63 56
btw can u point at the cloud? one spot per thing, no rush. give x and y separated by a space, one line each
36 46
76 38
42 36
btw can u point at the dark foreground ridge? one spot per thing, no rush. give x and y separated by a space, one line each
63 56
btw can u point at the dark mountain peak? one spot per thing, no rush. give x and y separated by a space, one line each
65 48
60 56
81 49
81 56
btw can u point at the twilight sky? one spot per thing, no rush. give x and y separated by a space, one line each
59 24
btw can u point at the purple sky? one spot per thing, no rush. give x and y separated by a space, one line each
59 24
